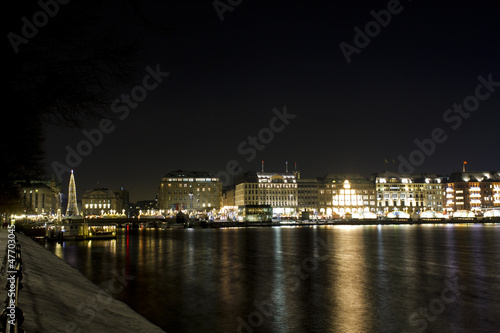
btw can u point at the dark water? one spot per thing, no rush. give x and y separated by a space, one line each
434 278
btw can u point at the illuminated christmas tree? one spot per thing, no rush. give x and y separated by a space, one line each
72 209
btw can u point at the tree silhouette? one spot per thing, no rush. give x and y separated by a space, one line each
66 72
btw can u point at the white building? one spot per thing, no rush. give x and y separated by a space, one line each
413 193
189 191
279 190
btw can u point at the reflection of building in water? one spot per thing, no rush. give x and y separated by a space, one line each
101 201
279 190
189 191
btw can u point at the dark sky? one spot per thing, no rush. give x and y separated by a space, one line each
227 77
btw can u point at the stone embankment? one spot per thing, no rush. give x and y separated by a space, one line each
57 298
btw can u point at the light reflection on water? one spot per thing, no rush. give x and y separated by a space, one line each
300 279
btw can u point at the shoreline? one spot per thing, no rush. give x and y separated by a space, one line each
217 225
58 298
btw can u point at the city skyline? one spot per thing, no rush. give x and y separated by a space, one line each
299 83
240 178
241 166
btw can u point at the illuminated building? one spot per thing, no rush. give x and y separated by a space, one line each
473 191
40 196
255 213
345 193
434 196
189 191
408 193
101 201
279 190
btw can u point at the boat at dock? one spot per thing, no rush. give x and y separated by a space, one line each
101 230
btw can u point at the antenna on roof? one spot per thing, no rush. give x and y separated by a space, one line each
286 166
463 166
262 165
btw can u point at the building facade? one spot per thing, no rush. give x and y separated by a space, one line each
307 195
40 197
345 193
189 191
473 191
228 197
101 201
279 190
434 196
408 193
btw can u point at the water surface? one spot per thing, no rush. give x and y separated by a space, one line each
430 278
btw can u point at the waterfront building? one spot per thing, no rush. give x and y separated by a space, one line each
307 195
278 190
40 197
227 197
124 195
474 191
229 210
434 188
410 193
255 213
144 206
189 191
101 201
346 193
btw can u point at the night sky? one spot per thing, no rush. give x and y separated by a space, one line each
226 77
